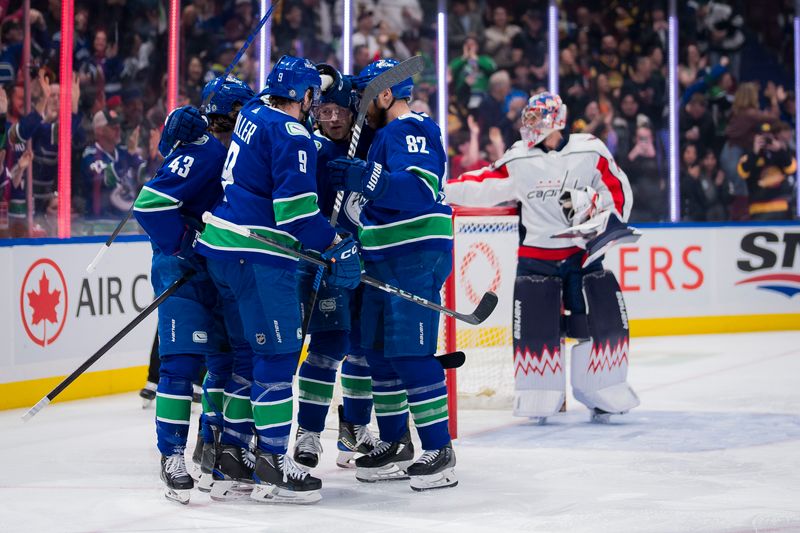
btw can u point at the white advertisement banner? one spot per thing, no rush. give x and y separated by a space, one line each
58 315
673 271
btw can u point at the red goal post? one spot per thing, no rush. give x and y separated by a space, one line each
485 242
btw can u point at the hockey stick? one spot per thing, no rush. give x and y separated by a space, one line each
107 346
100 253
386 80
451 360
103 249
408 68
482 311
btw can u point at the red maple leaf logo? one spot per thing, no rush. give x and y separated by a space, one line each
44 302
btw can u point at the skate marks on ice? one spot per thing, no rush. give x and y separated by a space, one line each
659 431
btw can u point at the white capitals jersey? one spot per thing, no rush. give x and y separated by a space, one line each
536 179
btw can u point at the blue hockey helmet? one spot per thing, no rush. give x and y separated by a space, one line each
220 95
336 89
291 77
374 69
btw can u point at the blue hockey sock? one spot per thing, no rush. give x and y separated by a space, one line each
238 413
357 390
272 400
174 401
317 377
218 372
315 382
423 378
389 395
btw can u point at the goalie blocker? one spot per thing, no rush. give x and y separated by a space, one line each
599 362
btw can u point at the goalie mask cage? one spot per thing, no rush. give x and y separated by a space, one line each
485 242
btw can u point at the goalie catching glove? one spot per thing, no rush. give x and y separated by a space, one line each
368 179
344 263
579 205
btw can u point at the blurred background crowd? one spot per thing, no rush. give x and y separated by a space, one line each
737 109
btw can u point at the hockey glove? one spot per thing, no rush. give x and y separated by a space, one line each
188 239
359 176
344 264
579 205
184 124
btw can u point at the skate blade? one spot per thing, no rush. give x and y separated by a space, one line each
146 403
391 472
346 459
600 418
441 480
178 495
205 482
223 490
274 494
538 420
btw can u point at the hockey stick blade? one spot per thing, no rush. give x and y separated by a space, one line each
485 308
451 360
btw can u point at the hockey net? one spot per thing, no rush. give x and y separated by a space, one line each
484 259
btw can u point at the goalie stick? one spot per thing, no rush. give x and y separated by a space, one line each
386 80
482 311
107 346
103 249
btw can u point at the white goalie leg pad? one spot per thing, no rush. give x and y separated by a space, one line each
539 378
599 368
598 378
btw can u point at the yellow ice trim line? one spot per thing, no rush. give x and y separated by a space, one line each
90 384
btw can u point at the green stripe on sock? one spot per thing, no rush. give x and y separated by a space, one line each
273 414
318 392
179 410
238 408
429 411
357 387
386 404
217 399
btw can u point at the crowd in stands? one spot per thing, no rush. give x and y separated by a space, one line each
737 115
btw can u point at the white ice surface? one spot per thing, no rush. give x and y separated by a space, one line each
715 446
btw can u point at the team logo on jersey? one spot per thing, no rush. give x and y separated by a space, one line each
295 128
43 302
200 337
353 205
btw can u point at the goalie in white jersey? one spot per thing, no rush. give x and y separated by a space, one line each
574 201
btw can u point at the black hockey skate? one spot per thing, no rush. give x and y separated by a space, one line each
598 416
174 475
205 456
434 469
232 476
279 480
148 394
353 439
387 461
307 448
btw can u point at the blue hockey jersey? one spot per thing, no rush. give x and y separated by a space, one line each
328 150
410 215
184 187
269 181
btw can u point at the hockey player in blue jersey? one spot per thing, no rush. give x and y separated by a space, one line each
269 187
335 318
169 208
406 238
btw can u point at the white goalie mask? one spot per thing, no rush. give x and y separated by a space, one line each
544 114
